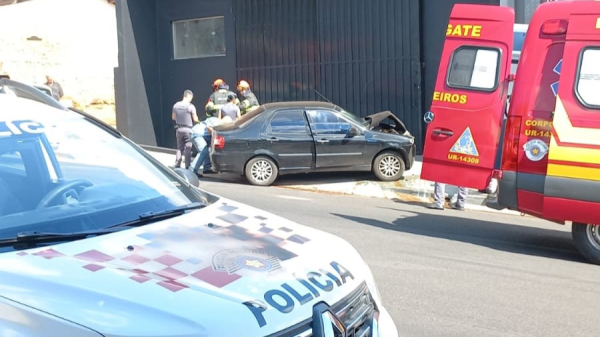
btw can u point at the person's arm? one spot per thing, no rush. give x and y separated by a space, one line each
60 90
173 114
239 113
194 114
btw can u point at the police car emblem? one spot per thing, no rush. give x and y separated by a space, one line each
429 117
535 149
326 323
233 260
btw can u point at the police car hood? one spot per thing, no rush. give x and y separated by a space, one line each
224 270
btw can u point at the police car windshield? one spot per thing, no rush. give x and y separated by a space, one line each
59 172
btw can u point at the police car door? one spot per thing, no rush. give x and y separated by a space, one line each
464 122
573 174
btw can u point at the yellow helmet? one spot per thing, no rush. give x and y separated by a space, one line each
243 85
217 83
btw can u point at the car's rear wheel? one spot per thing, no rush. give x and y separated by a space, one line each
587 241
261 171
388 166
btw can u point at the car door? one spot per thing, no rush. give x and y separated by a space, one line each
288 137
464 122
573 172
334 145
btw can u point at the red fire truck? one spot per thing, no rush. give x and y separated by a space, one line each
550 165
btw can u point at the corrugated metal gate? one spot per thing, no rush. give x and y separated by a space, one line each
361 55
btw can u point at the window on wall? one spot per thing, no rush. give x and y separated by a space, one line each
474 68
198 38
588 79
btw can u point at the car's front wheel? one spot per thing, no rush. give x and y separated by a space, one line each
388 166
261 171
587 241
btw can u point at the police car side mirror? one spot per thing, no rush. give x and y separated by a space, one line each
188 176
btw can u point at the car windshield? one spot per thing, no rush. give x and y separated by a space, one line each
62 173
352 117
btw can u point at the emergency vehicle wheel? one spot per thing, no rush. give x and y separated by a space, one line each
587 241
261 171
388 166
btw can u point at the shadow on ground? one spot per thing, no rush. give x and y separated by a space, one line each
455 226
297 179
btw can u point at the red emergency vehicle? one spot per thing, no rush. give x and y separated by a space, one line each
550 164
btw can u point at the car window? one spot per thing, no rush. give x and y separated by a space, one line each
474 68
114 180
588 79
289 122
12 161
327 122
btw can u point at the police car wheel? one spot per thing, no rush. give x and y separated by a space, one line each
261 171
388 166
587 241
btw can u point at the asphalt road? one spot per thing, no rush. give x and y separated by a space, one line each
451 273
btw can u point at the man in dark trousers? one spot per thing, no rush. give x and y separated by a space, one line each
184 116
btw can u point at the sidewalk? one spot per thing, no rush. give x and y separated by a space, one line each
409 189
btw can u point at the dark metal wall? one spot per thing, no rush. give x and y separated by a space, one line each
361 55
196 74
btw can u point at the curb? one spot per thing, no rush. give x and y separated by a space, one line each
411 189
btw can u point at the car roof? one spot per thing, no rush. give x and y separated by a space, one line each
300 104
18 108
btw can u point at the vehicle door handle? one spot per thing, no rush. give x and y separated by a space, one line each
322 141
443 132
273 139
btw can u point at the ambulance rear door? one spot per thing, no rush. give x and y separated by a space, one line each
572 186
464 122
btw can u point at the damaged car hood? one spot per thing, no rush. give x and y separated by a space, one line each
375 120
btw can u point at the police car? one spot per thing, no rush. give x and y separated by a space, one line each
99 239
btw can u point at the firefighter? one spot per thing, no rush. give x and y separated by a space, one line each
218 98
249 101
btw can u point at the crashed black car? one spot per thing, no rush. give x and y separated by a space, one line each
301 137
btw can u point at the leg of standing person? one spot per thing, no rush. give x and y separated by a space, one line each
207 164
461 199
187 137
180 147
439 196
201 145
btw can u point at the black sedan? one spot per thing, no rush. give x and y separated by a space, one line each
301 137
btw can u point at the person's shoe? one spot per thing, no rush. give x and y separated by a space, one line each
199 175
435 206
456 207
210 171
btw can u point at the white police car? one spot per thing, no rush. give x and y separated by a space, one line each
99 239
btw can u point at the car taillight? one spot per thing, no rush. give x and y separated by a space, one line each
510 150
219 142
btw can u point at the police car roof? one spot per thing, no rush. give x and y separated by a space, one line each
15 108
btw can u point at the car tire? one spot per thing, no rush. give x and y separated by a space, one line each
261 171
587 241
388 166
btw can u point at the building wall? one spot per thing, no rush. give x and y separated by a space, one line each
363 56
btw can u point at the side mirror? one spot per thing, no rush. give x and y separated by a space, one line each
188 176
353 132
